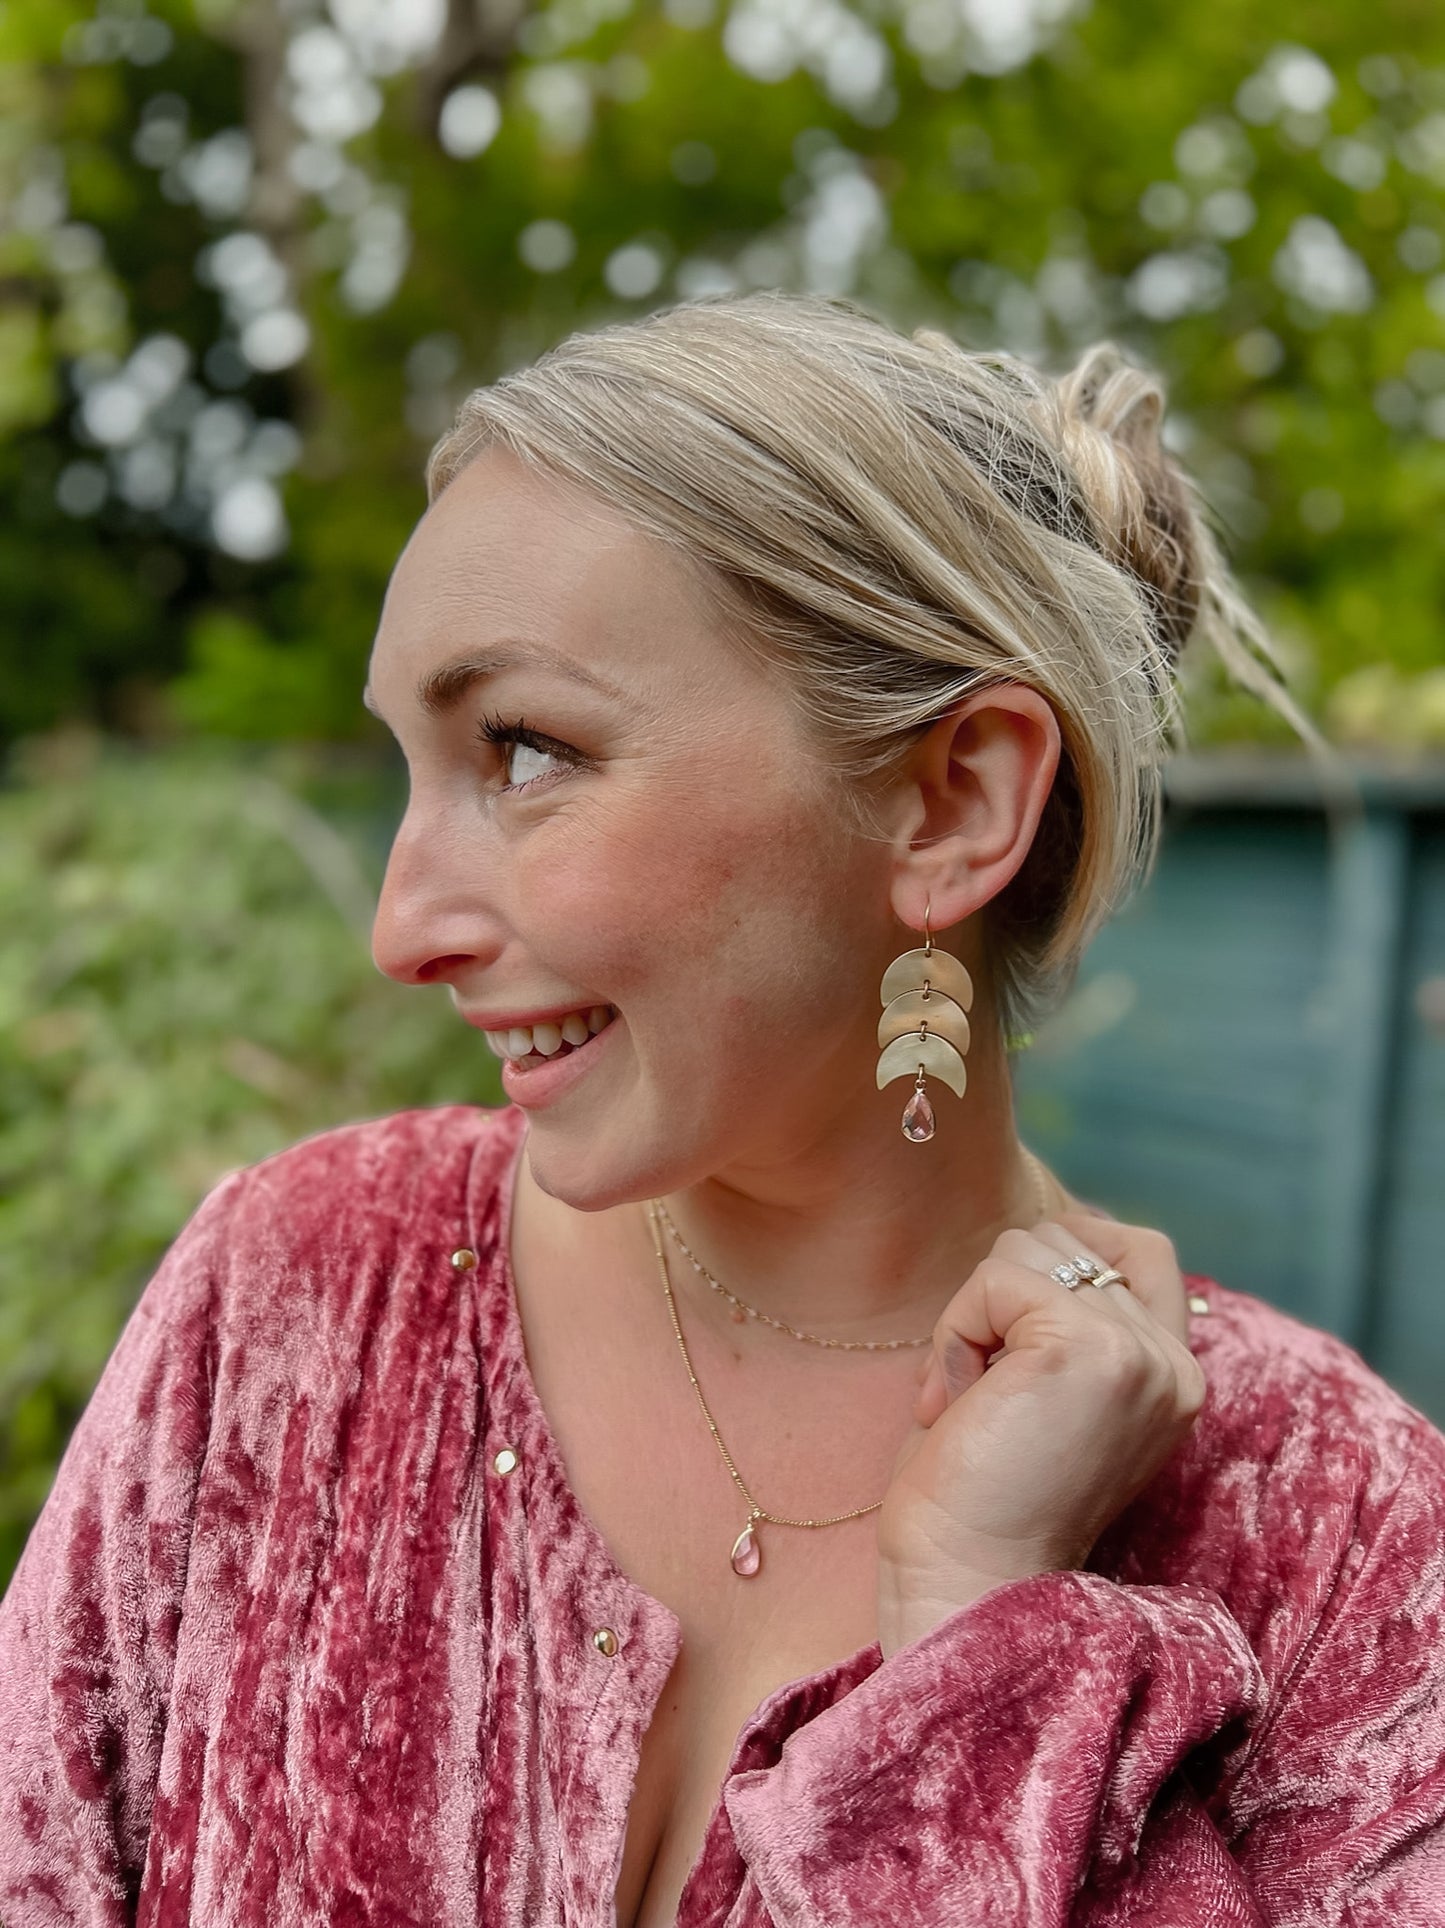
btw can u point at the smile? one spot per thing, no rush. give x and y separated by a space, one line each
536 1078
534 1044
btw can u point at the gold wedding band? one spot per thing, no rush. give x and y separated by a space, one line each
1112 1277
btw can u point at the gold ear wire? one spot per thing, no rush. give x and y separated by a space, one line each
924 1028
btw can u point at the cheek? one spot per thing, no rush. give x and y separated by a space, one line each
728 946
687 907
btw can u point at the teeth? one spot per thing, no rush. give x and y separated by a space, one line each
546 1039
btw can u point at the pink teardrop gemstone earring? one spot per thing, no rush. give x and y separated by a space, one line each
918 1119
923 1032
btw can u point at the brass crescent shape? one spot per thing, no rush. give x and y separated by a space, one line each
942 970
906 1013
902 1058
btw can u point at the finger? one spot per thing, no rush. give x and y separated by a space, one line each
1046 1248
1063 1246
1156 1300
1058 1246
1147 1259
1005 1304
1052 1246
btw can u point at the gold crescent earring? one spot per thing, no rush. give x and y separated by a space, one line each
924 1028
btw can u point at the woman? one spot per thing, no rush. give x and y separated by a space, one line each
734 1483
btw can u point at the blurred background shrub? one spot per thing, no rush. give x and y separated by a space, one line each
252 254
185 986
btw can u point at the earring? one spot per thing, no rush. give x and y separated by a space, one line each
923 1028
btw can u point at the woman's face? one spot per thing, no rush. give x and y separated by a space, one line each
664 845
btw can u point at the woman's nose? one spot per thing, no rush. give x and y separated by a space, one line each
428 928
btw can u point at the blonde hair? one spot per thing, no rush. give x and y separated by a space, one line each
894 524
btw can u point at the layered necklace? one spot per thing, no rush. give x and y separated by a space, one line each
747 1555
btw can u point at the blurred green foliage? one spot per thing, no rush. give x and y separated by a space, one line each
256 252
185 986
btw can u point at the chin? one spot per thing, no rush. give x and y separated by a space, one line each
584 1180
580 1172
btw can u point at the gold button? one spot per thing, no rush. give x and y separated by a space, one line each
464 1259
1197 1302
505 1460
605 1640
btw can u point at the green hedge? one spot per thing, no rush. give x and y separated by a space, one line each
185 986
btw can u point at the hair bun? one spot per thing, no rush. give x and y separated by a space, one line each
1143 506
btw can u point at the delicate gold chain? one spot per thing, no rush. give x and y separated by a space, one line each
1040 1180
755 1512
655 1209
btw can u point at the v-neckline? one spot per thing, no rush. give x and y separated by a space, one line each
489 1216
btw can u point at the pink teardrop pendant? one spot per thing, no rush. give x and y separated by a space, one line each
747 1554
918 1121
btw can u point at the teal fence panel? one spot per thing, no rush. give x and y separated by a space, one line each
1254 1054
1406 1333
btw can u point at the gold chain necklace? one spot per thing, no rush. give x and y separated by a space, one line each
741 1306
746 1556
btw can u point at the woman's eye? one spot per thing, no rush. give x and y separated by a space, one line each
525 754
525 761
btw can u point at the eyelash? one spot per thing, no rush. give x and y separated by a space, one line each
497 731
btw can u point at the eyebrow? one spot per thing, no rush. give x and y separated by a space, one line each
440 690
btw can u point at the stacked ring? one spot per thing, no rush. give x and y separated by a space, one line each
1080 1270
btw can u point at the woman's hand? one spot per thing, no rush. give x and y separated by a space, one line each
1018 1461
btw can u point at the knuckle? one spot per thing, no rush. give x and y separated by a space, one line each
1156 1245
1193 1387
990 1274
1054 1352
1127 1358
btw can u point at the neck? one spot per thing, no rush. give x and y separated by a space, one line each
856 1233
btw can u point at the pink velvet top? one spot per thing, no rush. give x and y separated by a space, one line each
288 1647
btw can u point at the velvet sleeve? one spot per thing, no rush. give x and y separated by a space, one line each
90 1621
1339 1810
986 1772
1025 1763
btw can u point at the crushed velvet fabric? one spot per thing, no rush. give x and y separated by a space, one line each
286 1648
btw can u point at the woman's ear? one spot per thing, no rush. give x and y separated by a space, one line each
973 794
